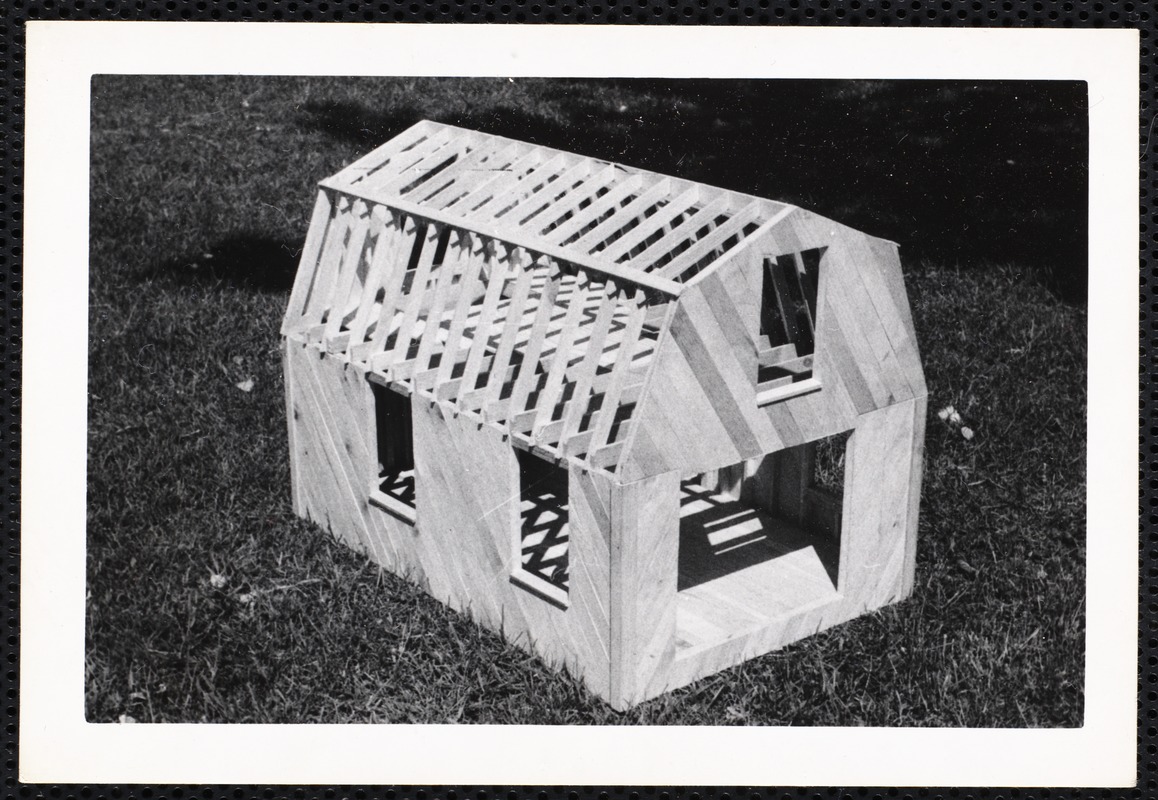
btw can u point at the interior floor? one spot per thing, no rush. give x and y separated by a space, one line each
741 568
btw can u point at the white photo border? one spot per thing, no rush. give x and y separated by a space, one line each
57 745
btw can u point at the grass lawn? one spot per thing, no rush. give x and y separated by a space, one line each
209 601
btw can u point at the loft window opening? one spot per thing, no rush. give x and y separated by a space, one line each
393 487
787 341
542 543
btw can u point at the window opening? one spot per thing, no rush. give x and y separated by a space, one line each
543 530
393 488
758 540
788 325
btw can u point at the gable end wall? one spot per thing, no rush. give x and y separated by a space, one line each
699 409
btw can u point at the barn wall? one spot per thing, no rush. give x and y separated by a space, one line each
878 544
467 490
699 411
333 460
462 549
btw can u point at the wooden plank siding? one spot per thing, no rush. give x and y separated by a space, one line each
866 355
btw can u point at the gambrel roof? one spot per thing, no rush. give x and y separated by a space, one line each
526 285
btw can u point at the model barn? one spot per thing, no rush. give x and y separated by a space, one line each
581 403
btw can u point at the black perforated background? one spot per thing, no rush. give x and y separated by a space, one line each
13 15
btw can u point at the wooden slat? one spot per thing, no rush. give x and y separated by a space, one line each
533 350
472 251
403 247
482 331
429 161
570 198
403 164
604 418
797 275
497 183
581 396
524 275
525 240
553 388
507 196
619 220
777 391
328 263
348 270
381 156
532 167
773 271
385 224
480 168
447 272
733 227
688 227
598 207
605 457
542 195
406 328
308 264
772 356
467 173
630 240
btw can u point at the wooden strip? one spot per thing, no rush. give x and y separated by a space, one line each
794 276
474 179
504 200
605 457
809 286
529 164
774 272
331 258
379 157
496 375
758 236
527 241
534 347
478 345
626 243
733 227
414 298
705 216
308 264
599 206
774 356
578 443
571 198
447 272
427 160
403 247
601 425
377 273
542 195
716 369
581 397
553 389
348 270
588 241
468 172
472 251
403 164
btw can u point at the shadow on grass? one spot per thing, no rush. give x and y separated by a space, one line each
354 123
955 172
243 260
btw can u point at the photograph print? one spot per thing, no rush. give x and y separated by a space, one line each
587 401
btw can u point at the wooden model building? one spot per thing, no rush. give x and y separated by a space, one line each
580 403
